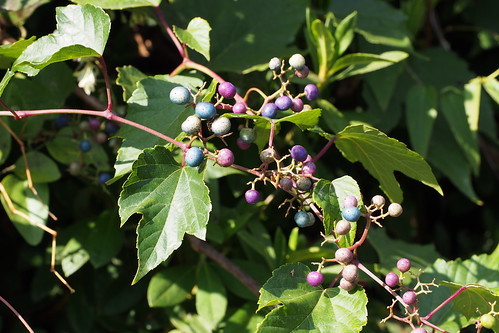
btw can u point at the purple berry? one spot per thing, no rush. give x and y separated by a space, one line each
239 108
302 73
343 255
227 90
252 196
409 297
299 153
225 157
350 273
350 201
391 279
347 285
270 110
94 124
286 183
315 278
283 102
308 168
296 105
403 265
342 227
311 91
351 213
242 145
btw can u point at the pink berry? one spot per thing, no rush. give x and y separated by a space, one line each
227 90
343 255
315 278
239 108
308 168
391 279
347 285
242 145
419 330
350 273
225 157
403 265
409 297
286 183
350 201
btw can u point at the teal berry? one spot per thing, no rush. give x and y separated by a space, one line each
297 61
180 95
85 146
205 110
221 126
227 90
194 156
351 213
302 219
270 110
191 125
247 135
274 64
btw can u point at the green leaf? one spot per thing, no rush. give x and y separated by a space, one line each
5 142
420 106
381 156
304 308
304 120
491 86
27 203
82 31
170 286
9 52
172 199
43 169
385 85
74 256
119 4
345 32
128 79
5 80
211 299
452 106
196 36
472 92
243 319
325 46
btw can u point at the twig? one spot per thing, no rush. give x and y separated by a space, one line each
21 319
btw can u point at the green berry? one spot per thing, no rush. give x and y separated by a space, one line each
487 320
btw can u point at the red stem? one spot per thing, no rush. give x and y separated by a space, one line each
108 84
21 319
444 303
324 149
170 32
14 114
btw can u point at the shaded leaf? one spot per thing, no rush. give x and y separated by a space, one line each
5 142
472 92
170 286
211 299
345 32
304 120
196 36
43 168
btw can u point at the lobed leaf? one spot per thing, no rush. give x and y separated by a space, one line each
304 120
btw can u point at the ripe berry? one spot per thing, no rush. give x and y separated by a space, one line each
391 279
395 209
191 125
302 73
350 273
85 146
409 297
283 102
180 95
304 219
194 156
350 201
205 110
111 127
296 105
342 227
311 91
104 177
419 330
286 183
252 196
403 265
94 124
347 285
61 121
308 168
242 145
247 135
274 64
239 108
315 278
221 126
268 155
225 157
487 320
343 255
297 61
303 184
269 110
299 153
378 201
227 90
351 213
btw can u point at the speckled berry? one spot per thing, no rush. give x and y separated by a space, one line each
351 213
395 210
403 265
191 125
221 126
350 272
308 168
268 155
315 278
297 61
180 95
303 184
225 157
409 297
304 219
343 255
252 196
274 64
286 183
311 91
347 285
239 108
205 110
342 227
350 201
194 156
378 201
227 90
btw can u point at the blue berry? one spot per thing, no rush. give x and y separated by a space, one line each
85 146
315 278
296 105
297 61
311 91
227 90
104 177
252 196
247 135
269 110
180 95
299 153
283 102
205 110
221 126
351 213
274 64
61 121
239 108
191 125
302 219
194 156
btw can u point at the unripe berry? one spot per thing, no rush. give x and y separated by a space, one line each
488 320
298 153
220 126
378 201
75 168
303 184
247 135
297 61
296 105
391 279
242 145
283 102
342 227
252 196
350 273
227 90
104 177
85 146
409 297
343 255
315 278
194 156
308 168
311 91
101 137
302 219
302 73
180 95
286 183
191 125
350 201
347 285
268 155
274 64
403 265
239 108
225 157
269 110
419 330
395 209
351 213
205 110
